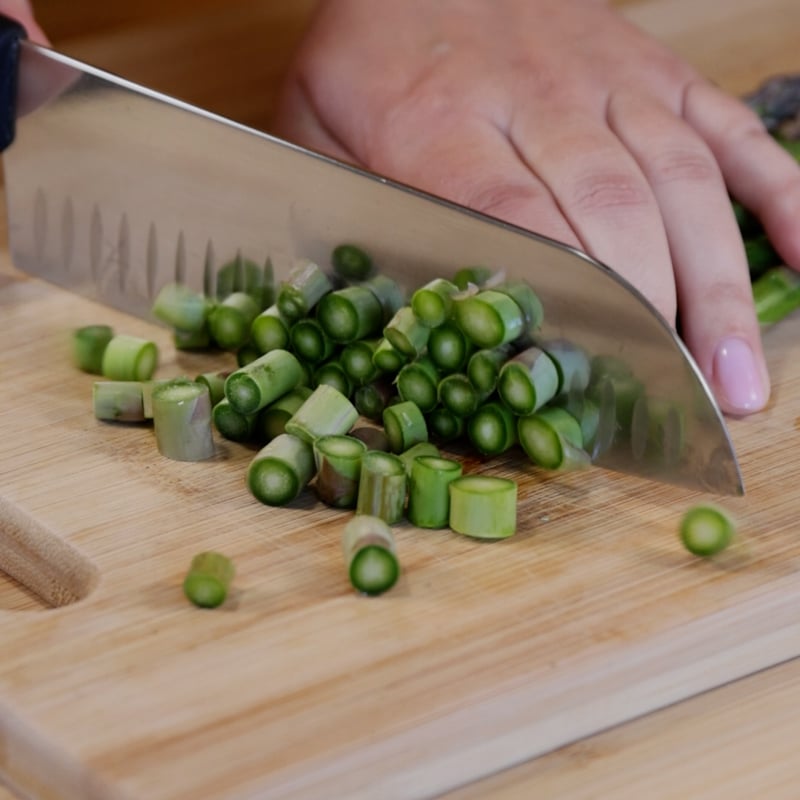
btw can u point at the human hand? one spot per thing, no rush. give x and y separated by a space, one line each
22 12
565 119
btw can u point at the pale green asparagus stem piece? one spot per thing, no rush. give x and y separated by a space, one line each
483 506
326 412
182 420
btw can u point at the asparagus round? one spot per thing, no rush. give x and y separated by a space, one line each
492 429
349 314
429 490
118 401
382 486
351 262
181 307
338 464
270 330
129 358
369 553
230 321
326 411
280 470
489 318
208 580
258 383
433 303
88 345
182 420
706 530
405 426
528 381
483 506
303 288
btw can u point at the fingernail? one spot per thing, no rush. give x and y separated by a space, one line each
738 377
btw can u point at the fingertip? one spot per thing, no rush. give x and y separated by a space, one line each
739 376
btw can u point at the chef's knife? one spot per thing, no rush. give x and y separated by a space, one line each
114 190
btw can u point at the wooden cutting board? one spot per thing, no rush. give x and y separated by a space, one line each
483 655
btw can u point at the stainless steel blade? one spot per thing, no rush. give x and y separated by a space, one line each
114 190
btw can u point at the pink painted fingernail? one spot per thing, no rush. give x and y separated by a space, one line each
738 377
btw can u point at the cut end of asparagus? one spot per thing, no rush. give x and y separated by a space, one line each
374 570
129 358
706 530
369 552
182 420
483 506
206 584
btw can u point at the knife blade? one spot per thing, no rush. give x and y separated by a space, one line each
114 190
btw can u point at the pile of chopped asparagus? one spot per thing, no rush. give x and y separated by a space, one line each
347 384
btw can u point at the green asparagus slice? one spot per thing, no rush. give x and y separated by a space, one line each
338 462
349 314
232 424
483 506
129 358
489 318
326 412
271 421
492 429
280 470
270 330
776 294
309 341
433 303
351 262
382 486
528 381
208 580
331 373
303 288
405 426
406 333
118 401
418 383
706 530
230 321
182 420
264 380
429 491
369 552
88 345
552 439
182 308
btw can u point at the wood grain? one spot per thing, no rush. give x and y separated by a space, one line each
226 57
482 657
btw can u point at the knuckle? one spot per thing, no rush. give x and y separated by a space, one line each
600 191
729 294
507 201
685 165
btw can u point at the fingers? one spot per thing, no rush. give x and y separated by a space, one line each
602 192
758 172
471 162
713 283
